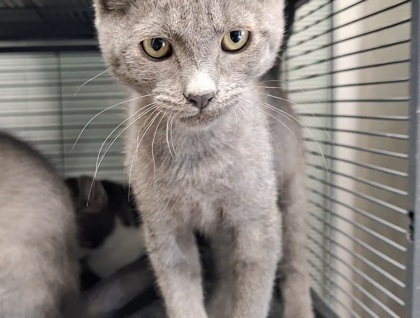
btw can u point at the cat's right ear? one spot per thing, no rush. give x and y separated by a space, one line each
92 195
112 6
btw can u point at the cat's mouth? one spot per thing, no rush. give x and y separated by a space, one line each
207 116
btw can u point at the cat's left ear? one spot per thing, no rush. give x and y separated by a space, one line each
109 6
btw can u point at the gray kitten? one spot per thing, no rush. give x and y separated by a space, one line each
38 263
209 149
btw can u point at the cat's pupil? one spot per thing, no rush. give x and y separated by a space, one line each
157 44
236 36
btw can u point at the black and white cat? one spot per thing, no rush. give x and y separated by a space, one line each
110 228
116 276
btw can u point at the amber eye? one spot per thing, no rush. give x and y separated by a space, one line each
157 48
235 40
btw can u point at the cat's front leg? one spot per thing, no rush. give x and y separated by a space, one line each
175 259
294 282
256 248
255 256
221 302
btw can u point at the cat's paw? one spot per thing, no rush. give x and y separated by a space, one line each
218 312
220 307
307 314
297 302
296 311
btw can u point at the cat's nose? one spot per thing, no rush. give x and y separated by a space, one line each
201 101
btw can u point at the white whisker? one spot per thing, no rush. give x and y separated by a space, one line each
314 116
167 135
288 128
236 122
148 107
271 141
279 98
123 130
300 89
131 167
283 124
141 139
153 143
273 80
90 80
172 136
282 112
273 84
101 112
113 141
243 111
298 105
134 157
98 163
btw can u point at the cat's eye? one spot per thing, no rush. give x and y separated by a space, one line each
157 48
235 40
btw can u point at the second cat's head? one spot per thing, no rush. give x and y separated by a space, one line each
194 59
101 208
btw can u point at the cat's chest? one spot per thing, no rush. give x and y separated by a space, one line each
194 191
204 178
208 197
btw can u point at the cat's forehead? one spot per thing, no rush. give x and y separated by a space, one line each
179 16
200 6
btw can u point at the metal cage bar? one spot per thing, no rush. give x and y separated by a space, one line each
414 168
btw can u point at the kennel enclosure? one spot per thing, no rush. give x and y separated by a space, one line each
352 71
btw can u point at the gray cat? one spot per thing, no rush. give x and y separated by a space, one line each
209 147
38 263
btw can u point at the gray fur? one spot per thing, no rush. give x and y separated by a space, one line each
38 263
219 170
107 297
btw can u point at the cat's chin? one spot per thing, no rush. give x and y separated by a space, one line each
201 120
198 121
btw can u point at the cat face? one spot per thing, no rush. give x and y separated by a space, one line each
194 59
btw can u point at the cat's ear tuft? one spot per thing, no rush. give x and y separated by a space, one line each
92 195
109 6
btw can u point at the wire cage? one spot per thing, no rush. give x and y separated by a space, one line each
349 66
351 69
